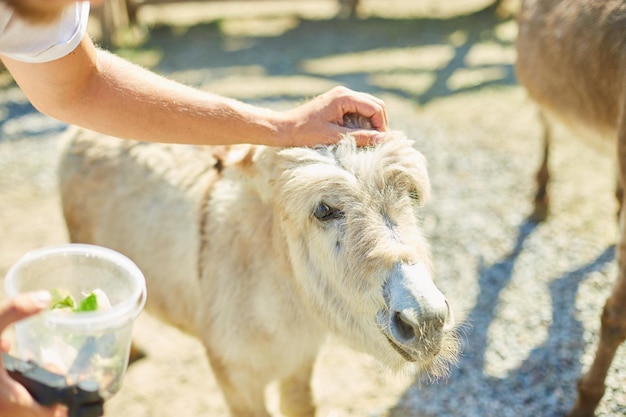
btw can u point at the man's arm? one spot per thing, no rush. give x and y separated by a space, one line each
100 91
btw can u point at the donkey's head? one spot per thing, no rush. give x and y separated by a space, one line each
348 221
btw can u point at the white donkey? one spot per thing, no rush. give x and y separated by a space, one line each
262 252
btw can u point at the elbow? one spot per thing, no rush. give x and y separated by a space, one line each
68 105
55 109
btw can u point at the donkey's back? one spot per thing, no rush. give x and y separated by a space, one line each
142 200
572 61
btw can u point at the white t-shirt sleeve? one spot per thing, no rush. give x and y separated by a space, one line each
27 42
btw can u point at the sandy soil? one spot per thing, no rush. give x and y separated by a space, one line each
531 295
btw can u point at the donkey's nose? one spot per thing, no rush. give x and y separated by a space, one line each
418 316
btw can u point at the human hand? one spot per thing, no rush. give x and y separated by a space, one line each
15 400
321 120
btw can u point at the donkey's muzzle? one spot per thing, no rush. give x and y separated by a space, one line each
418 316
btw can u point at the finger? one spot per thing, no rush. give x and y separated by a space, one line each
5 345
56 410
367 137
375 110
22 306
59 411
37 410
379 121
381 103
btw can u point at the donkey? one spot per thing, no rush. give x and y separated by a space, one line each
572 62
263 252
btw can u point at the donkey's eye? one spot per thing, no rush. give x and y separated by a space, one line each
414 195
324 212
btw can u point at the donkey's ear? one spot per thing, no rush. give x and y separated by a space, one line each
260 168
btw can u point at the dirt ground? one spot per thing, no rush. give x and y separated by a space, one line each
530 294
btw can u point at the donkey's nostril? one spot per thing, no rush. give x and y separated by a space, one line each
410 326
404 326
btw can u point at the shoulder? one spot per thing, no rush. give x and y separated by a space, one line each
28 42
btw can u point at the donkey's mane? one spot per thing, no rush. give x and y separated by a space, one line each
393 162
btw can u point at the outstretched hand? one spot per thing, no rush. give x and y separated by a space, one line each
321 120
15 401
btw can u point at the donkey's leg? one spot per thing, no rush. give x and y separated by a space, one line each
542 199
613 329
296 398
613 333
243 390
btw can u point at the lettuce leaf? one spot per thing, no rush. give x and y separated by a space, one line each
90 303
62 299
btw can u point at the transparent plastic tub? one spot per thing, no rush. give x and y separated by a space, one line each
82 346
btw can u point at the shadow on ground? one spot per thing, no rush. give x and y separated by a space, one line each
542 383
420 59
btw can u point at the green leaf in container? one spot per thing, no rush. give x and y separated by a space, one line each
90 303
62 299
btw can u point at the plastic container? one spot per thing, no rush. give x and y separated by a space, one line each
83 346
